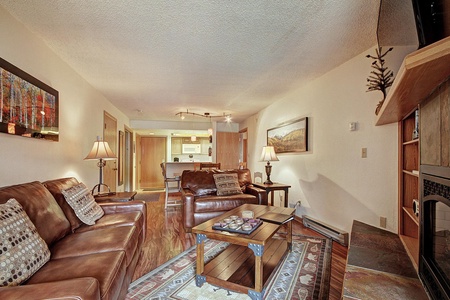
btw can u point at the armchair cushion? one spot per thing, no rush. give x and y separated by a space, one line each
22 250
227 184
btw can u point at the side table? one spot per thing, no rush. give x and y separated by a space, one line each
270 188
117 197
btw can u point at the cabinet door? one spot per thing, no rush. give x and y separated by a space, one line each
227 150
176 145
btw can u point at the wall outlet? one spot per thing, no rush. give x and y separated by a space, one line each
383 222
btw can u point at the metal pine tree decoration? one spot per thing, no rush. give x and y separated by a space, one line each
381 78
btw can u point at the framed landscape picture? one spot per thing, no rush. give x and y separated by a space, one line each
289 137
28 107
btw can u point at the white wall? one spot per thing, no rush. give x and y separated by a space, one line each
81 114
331 180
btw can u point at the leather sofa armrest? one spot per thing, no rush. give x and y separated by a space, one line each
188 198
259 193
123 207
86 288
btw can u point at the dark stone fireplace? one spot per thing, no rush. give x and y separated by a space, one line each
434 257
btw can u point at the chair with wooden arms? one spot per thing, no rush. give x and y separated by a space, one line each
257 177
209 166
170 189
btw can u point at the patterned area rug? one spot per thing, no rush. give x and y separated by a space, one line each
304 274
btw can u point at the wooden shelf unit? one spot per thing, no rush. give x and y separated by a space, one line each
409 158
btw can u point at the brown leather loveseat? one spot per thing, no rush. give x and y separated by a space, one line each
86 261
200 199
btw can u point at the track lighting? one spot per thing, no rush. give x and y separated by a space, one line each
205 115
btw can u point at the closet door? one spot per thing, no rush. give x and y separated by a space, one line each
227 150
152 153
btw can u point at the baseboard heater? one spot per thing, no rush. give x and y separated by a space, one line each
335 234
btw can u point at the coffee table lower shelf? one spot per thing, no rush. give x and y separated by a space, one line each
243 269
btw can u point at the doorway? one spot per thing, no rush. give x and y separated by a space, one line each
151 153
243 146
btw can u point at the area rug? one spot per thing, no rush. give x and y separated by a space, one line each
304 274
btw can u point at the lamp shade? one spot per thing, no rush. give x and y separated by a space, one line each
101 150
268 154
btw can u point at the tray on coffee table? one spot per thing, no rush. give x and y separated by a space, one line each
239 229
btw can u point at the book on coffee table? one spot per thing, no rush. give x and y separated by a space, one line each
276 218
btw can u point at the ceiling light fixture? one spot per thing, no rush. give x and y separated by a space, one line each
205 115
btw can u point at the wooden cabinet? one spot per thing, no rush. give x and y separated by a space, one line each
176 145
409 157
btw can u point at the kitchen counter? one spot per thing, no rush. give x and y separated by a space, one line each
174 169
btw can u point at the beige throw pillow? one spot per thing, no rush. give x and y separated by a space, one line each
22 250
83 204
227 184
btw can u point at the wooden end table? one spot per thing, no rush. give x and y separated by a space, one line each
117 197
270 188
248 262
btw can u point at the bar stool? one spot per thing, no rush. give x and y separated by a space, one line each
170 188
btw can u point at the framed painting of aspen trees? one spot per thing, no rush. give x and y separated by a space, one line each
289 137
28 107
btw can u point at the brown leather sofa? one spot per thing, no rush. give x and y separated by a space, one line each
200 199
87 262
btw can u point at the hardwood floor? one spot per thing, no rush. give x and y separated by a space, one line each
167 238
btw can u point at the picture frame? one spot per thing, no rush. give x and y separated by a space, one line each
28 107
289 137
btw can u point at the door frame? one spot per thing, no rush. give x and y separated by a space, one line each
128 160
139 157
110 136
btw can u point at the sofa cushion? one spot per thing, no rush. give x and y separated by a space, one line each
115 220
86 288
22 250
107 267
222 203
227 184
41 208
83 203
55 187
123 238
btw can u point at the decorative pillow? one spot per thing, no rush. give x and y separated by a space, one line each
83 203
227 184
22 250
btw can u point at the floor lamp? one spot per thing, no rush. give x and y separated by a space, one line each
102 152
268 154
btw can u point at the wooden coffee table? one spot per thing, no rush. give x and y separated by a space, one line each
248 263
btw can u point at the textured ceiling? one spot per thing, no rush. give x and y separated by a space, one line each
153 59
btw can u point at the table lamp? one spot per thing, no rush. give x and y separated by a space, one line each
102 152
268 154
